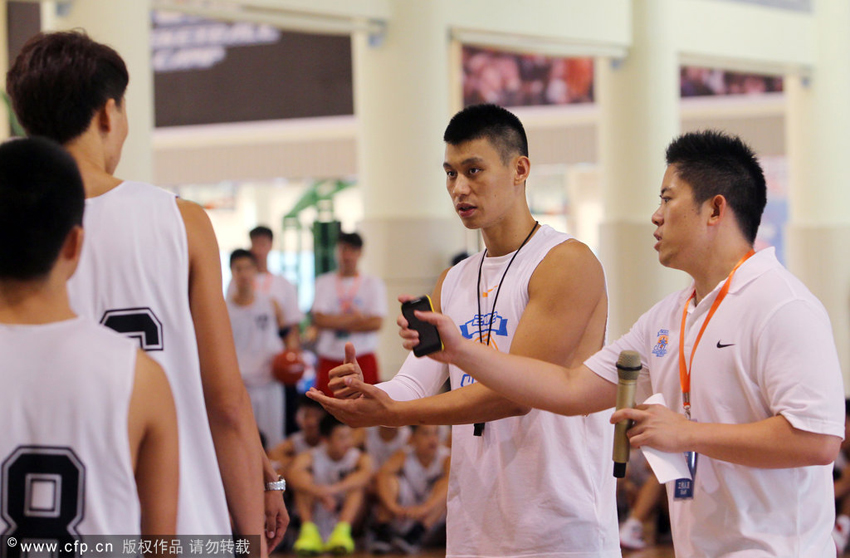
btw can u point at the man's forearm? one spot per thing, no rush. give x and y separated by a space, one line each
770 444
348 322
466 405
239 456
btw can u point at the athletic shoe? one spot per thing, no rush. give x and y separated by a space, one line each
411 542
382 539
841 533
631 535
340 541
309 541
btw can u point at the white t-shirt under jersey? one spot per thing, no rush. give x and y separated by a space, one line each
133 276
533 485
64 444
768 350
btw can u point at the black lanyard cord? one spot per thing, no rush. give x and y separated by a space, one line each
479 426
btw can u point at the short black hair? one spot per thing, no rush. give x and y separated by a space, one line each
41 200
240 253
715 163
259 231
304 401
328 424
499 126
60 80
352 239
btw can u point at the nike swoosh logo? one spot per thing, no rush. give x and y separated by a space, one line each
723 345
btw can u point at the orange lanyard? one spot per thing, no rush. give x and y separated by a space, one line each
685 368
346 300
264 282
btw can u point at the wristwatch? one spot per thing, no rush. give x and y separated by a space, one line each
279 485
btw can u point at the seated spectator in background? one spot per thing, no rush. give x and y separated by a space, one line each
644 496
255 319
841 531
412 487
308 416
383 441
329 483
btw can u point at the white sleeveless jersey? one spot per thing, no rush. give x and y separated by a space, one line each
380 450
256 339
299 443
326 471
133 276
420 479
533 485
64 445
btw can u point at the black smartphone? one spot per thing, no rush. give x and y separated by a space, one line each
429 337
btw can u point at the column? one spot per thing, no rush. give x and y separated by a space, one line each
4 67
818 139
125 26
402 103
639 115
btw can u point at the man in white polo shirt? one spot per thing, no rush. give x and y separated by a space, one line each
746 352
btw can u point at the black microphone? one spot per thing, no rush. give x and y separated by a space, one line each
628 370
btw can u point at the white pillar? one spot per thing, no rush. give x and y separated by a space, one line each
818 139
402 103
639 115
125 26
4 67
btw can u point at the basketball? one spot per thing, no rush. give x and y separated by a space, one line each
287 367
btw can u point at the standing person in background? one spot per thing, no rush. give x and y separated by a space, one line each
286 296
274 286
349 307
150 268
88 419
255 319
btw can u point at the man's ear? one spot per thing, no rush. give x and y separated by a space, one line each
717 206
106 116
72 248
522 168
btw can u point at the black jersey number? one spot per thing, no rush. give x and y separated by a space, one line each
43 499
136 323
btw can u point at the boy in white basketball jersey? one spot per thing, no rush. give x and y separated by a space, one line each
329 483
412 487
528 483
150 269
89 438
255 319
746 353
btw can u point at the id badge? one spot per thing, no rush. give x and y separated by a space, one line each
684 488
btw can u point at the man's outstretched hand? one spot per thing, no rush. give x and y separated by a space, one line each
348 369
366 406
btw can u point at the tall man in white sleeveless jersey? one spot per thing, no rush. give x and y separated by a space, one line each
89 438
150 269
745 352
527 483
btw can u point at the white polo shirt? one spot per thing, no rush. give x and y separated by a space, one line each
767 351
